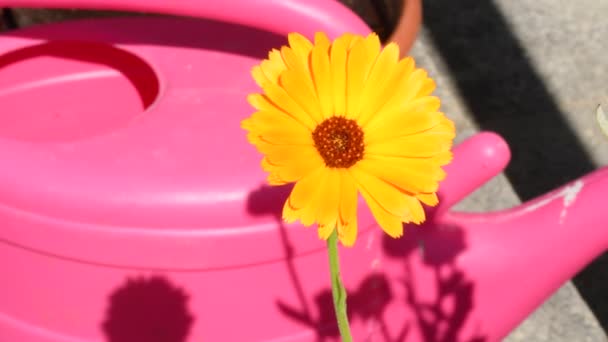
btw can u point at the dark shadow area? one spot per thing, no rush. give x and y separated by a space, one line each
182 32
506 94
268 201
149 309
380 15
592 283
7 21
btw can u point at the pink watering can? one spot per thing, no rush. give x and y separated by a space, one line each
133 209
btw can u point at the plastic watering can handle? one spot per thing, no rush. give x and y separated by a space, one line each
278 16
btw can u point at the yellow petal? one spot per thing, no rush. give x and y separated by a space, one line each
258 75
416 213
277 129
280 155
410 87
300 79
404 93
322 79
348 39
413 117
391 95
273 66
254 139
347 225
291 164
280 98
404 69
321 40
414 146
294 84
348 199
388 196
372 43
310 213
406 174
427 166
329 203
390 223
305 189
427 143
275 180
295 61
428 199
338 75
347 233
357 65
360 61
302 197
290 214
374 93
300 45
266 104
428 86
443 158
325 231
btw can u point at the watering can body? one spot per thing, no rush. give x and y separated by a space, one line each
133 209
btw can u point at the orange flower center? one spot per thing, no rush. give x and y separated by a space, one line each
339 142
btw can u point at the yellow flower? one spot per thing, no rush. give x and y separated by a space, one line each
346 117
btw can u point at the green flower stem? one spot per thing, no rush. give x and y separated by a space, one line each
337 288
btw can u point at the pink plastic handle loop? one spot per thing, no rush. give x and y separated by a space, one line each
277 16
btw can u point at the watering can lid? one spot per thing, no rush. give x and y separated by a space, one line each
179 180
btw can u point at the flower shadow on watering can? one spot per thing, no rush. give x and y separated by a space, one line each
148 309
267 200
439 319
457 278
366 303
416 288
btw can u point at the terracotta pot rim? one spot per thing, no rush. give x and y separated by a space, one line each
407 27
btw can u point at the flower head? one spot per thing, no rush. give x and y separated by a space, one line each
346 117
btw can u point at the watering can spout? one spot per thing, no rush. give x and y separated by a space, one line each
574 208
572 213
567 225
514 259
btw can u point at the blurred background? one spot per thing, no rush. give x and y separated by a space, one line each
533 71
